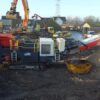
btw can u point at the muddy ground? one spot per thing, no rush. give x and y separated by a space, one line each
55 83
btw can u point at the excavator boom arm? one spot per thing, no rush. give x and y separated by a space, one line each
13 5
15 1
26 13
12 14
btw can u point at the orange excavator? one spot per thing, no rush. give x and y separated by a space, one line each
12 14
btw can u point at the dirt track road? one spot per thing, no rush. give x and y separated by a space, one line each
55 83
52 84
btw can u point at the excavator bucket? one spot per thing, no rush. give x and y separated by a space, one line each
12 16
78 66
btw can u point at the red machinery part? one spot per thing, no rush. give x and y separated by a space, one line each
5 39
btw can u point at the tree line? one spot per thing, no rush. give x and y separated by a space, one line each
91 20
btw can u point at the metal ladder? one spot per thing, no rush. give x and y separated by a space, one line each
14 56
57 55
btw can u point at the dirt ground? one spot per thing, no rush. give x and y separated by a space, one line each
55 83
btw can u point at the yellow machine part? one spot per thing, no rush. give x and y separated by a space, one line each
79 68
4 66
1 66
14 44
51 30
11 16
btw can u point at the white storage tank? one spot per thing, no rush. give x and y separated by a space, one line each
61 44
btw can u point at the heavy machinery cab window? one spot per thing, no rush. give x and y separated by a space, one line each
45 48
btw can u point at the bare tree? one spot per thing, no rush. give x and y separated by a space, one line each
76 21
90 20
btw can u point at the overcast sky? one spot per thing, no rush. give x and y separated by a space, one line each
47 8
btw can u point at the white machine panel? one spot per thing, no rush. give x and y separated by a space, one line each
46 47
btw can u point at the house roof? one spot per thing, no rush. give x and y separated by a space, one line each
86 25
62 18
